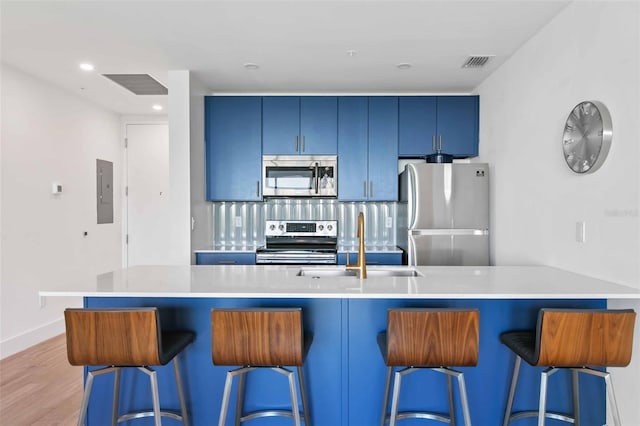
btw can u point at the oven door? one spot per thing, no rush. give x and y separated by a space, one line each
296 257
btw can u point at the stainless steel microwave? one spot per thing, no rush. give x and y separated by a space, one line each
300 176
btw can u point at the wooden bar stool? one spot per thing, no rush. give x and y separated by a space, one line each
435 339
576 339
119 338
260 338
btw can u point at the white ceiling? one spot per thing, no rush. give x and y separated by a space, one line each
300 46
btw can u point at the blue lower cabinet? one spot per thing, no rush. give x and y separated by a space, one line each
372 258
248 258
344 370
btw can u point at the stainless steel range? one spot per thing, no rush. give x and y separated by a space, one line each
299 242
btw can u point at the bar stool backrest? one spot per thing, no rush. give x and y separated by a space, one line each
432 337
118 337
258 337
579 337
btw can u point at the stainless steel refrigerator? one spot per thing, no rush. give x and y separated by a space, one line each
443 214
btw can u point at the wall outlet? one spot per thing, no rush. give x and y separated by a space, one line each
238 221
581 232
389 222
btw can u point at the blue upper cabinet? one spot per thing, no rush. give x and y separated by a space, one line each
233 128
425 120
300 125
368 148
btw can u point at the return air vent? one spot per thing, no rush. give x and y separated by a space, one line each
476 61
139 84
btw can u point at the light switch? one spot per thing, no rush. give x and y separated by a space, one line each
581 232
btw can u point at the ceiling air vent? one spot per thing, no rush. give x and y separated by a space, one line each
139 84
476 61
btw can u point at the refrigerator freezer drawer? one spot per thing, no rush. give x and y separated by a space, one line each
448 249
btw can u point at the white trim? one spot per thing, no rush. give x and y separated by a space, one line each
31 337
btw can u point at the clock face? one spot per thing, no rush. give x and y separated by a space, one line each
587 136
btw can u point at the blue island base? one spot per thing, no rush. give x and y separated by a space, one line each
344 370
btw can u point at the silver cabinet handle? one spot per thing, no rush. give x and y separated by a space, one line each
371 189
317 172
296 143
257 188
433 143
302 143
440 144
226 262
364 189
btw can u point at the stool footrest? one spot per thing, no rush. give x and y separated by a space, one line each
549 415
429 415
268 413
172 414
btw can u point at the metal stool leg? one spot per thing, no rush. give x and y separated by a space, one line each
183 405
240 398
153 380
397 380
303 395
512 391
116 397
612 400
463 399
385 398
85 399
294 396
452 406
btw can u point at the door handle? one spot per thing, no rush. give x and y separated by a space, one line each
302 143
364 189
257 188
296 143
317 172
433 143
370 189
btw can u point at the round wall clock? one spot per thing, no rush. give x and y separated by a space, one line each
587 136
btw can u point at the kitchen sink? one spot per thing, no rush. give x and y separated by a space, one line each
342 272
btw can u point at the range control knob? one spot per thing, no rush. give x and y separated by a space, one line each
281 227
320 227
272 227
329 227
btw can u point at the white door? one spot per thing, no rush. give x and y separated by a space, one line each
148 194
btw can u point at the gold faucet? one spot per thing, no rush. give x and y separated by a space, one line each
361 263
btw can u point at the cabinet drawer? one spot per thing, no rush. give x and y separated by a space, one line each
372 258
225 258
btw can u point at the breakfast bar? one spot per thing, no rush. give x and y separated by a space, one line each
344 370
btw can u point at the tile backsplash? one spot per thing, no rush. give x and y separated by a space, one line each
242 223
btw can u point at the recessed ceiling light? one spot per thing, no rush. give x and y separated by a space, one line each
404 66
250 66
85 66
157 107
351 52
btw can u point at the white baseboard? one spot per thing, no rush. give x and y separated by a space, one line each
29 338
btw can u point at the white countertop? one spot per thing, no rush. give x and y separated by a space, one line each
263 281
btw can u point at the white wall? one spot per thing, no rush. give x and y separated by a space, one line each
51 135
179 166
201 209
589 51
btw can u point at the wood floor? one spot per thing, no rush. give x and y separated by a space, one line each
38 387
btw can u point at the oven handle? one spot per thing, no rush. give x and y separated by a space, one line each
317 172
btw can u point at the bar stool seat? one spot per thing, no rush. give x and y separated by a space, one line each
425 338
120 338
575 339
260 338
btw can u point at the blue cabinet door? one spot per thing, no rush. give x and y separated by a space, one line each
452 119
211 258
299 125
383 148
318 125
374 258
353 122
416 125
458 125
233 148
281 125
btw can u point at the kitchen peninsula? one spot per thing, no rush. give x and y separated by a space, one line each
345 372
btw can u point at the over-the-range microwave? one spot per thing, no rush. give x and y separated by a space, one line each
300 176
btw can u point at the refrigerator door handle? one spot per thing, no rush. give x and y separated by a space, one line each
448 232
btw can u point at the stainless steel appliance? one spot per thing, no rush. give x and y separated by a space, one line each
443 214
300 176
299 242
